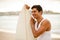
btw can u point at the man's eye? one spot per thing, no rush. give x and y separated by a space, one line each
34 11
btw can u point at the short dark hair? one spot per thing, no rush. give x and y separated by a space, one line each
38 7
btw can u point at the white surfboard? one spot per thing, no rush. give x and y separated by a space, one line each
24 31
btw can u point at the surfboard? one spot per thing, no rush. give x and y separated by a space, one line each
24 31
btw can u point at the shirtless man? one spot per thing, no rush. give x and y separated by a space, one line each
40 27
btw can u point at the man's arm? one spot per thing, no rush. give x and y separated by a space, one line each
42 28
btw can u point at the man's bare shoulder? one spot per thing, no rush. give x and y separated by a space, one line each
46 22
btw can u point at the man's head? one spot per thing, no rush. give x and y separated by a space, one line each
37 9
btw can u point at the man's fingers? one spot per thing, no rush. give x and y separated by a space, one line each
26 6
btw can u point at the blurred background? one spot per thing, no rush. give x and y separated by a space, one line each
9 13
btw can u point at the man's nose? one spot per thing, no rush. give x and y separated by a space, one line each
34 14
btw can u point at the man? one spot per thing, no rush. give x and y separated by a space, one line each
40 27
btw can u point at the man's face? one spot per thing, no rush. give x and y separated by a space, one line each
35 13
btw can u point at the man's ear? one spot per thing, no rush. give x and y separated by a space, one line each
41 12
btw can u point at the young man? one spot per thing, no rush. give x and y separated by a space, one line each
40 27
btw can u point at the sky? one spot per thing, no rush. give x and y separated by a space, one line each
17 5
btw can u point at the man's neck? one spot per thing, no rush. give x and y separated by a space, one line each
39 19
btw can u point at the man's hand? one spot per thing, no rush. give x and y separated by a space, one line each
27 7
